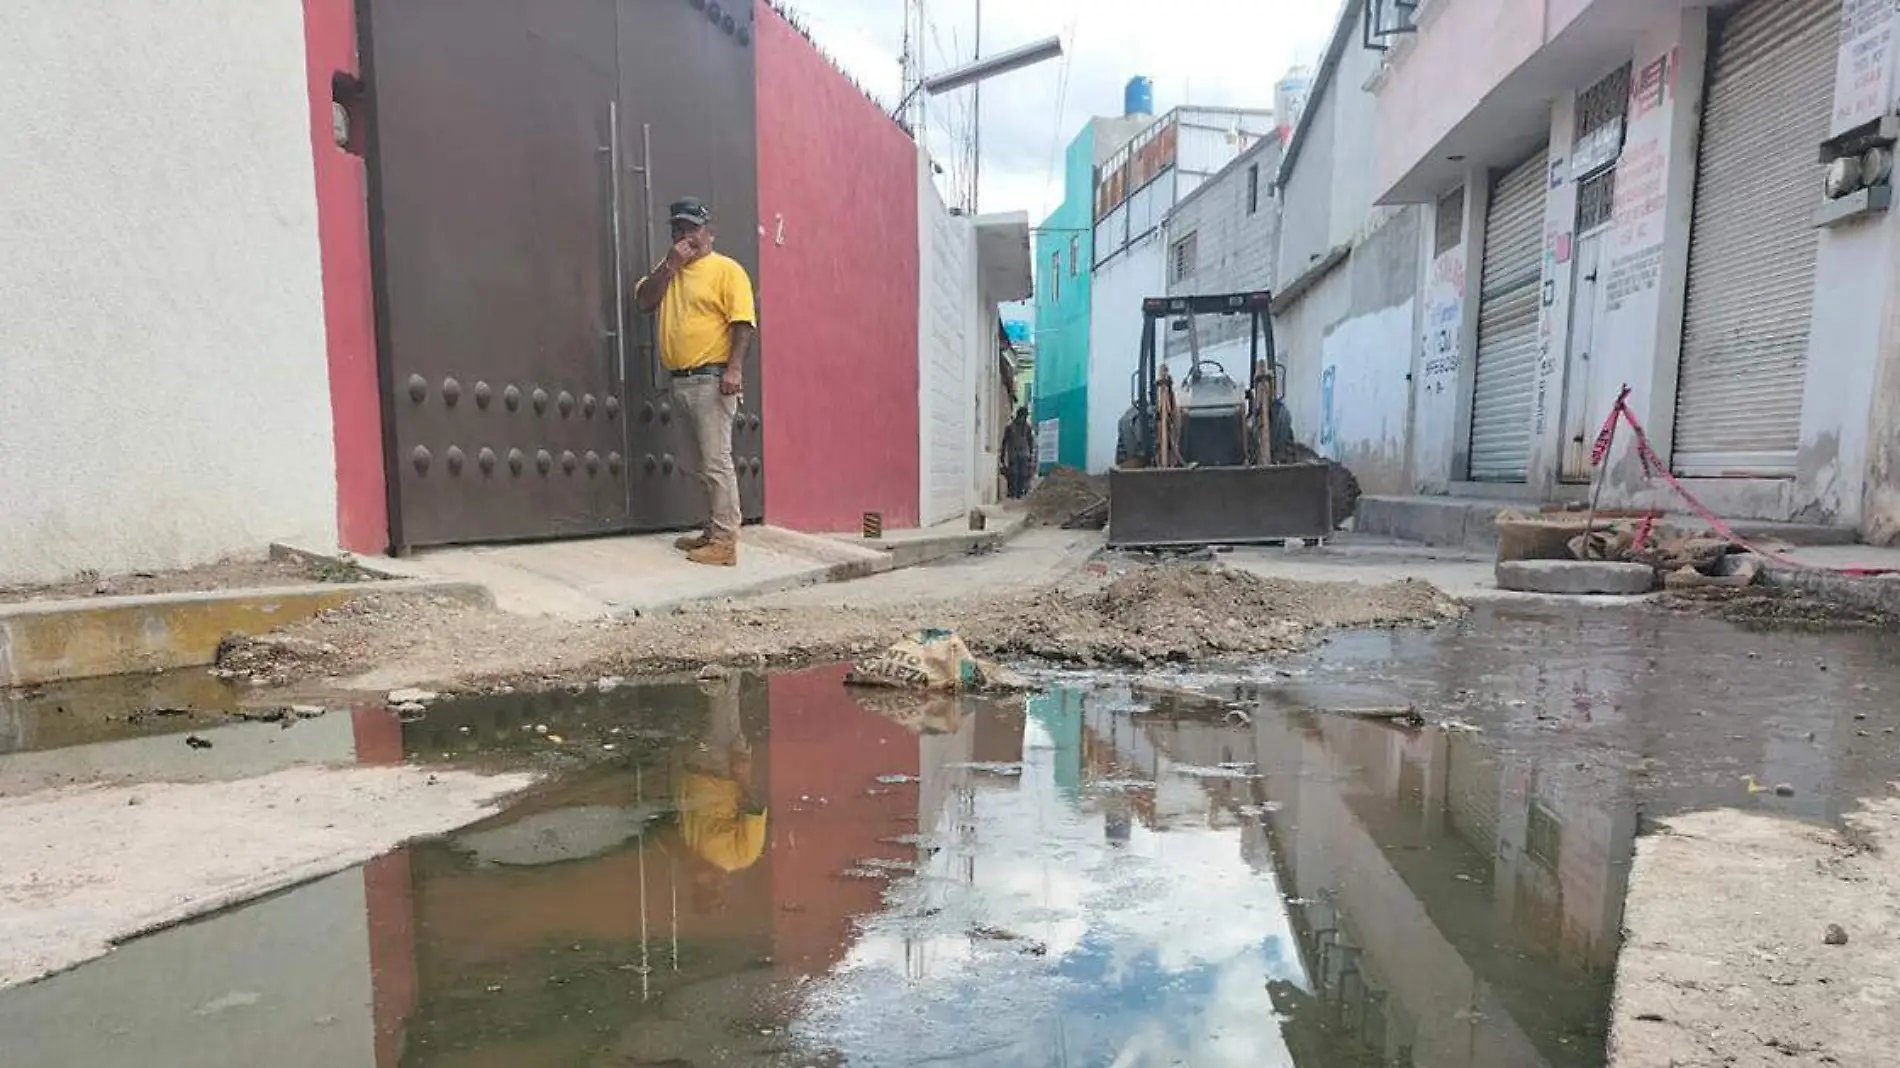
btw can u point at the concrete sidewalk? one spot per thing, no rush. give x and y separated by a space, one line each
603 578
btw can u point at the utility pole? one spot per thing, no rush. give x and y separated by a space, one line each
976 120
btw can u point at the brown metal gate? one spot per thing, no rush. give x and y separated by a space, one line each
522 396
688 107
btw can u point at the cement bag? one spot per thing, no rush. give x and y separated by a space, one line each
934 660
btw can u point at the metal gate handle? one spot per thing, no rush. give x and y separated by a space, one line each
620 271
656 377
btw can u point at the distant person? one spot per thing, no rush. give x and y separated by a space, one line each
707 326
1019 454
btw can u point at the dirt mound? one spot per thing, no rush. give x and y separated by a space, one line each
1063 494
1183 613
1115 616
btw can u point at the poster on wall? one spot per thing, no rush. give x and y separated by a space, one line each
1864 75
1048 442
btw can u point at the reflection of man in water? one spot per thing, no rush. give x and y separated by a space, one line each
721 815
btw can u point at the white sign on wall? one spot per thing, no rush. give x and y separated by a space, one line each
1864 76
1048 442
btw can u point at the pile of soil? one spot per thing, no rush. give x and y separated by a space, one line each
1145 615
1187 613
1063 494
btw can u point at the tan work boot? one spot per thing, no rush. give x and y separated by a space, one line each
690 542
716 552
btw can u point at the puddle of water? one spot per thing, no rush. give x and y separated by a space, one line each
1685 712
91 711
1072 881
1098 876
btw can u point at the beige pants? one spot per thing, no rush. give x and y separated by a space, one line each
709 416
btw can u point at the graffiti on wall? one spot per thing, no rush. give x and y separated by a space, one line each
1444 321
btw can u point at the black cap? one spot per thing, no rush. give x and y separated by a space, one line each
690 209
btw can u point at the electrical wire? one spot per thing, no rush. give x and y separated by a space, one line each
1062 99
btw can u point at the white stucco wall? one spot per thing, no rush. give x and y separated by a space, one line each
1350 338
164 390
1115 324
949 335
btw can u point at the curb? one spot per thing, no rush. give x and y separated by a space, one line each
57 641
917 552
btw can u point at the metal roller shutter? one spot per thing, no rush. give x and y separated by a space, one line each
1507 325
1753 244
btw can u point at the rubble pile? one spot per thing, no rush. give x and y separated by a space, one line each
1064 495
1184 613
1679 559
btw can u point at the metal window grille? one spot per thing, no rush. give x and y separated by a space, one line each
1604 103
1186 252
1596 200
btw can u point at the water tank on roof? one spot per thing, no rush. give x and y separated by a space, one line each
1139 97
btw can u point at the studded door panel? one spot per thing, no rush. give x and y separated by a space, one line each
491 210
688 123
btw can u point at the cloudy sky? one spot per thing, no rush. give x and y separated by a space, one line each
1215 52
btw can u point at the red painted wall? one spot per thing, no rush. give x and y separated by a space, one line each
838 294
830 813
348 306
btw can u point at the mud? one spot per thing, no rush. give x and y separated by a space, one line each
1122 614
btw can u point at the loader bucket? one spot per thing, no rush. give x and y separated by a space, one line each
1186 507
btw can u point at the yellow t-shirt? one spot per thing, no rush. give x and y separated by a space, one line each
702 302
713 825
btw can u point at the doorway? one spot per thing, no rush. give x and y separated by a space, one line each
1580 421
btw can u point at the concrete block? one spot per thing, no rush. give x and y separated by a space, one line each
1427 520
1576 578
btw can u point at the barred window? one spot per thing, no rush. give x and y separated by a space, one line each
1186 253
1596 200
1603 103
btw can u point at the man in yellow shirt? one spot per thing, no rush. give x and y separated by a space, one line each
707 325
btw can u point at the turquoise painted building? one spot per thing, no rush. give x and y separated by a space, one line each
1065 250
1065 258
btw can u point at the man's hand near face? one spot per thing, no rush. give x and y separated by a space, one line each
683 252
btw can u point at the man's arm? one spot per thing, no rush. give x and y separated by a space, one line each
650 290
741 313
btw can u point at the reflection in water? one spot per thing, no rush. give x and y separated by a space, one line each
789 878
